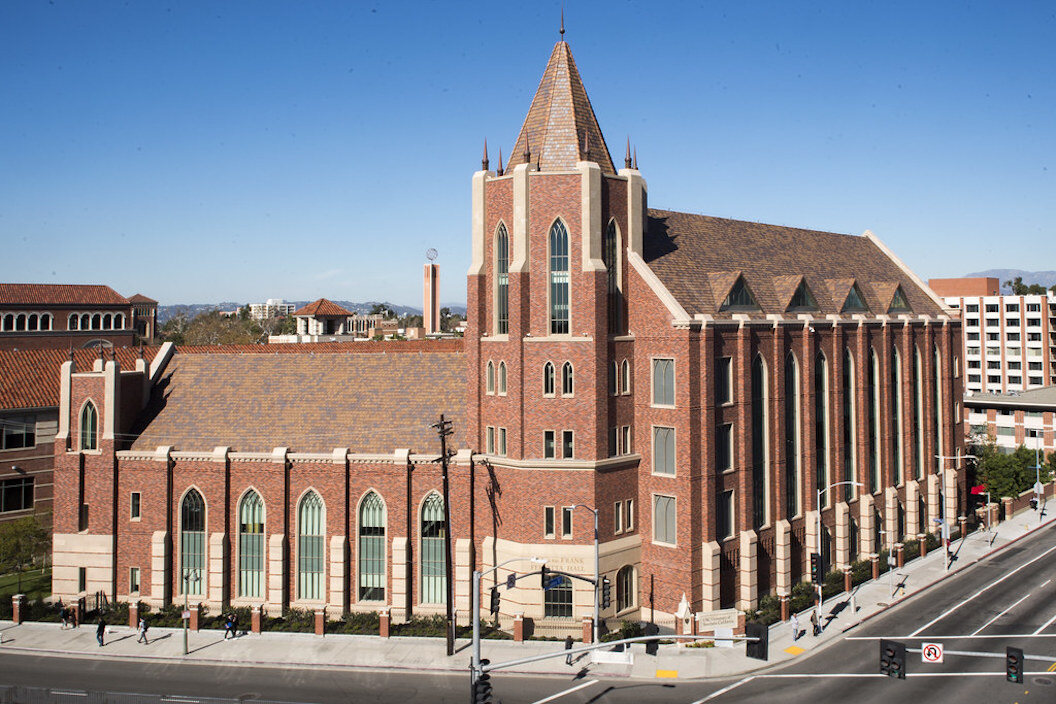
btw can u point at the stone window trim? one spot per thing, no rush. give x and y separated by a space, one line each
549 522
653 361
558 257
435 502
617 517
295 560
182 588
656 497
628 515
88 426
502 381
568 386
656 432
625 377
244 508
489 387
371 494
135 508
549 380
134 583
568 529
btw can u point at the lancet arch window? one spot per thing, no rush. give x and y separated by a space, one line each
502 280
559 279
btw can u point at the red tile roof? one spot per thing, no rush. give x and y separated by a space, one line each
323 307
360 346
30 378
140 298
60 294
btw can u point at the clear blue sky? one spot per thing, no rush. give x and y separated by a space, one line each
199 152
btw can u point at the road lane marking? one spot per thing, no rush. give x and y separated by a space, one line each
667 674
69 693
720 692
864 675
1025 597
578 687
1044 626
953 608
1002 635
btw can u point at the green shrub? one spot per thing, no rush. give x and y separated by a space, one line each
628 629
293 621
357 623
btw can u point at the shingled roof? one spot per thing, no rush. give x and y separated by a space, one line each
323 307
700 258
367 400
561 127
60 294
30 378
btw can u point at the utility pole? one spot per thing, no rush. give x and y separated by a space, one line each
443 429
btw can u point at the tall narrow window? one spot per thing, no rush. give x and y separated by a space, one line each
625 377
614 378
89 426
434 586
792 454
567 386
251 545
548 379
502 378
896 416
310 547
664 451
192 543
849 426
610 250
502 281
558 279
918 414
937 411
821 425
372 548
664 520
874 423
557 601
71 322
625 588
760 399
491 377
663 382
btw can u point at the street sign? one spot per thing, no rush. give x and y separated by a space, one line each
554 583
1038 488
511 580
931 652
186 615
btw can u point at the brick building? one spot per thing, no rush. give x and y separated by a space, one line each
695 380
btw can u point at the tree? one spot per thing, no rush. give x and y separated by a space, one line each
382 309
1010 474
1021 289
21 543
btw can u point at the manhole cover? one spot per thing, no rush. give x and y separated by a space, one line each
248 696
1043 681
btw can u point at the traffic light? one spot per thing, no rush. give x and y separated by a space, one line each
759 647
482 686
1014 664
606 592
815 569
495 600
893 659
545 576
652 647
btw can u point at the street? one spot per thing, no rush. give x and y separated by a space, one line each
1007 599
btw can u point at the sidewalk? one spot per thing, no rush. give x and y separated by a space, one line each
428 654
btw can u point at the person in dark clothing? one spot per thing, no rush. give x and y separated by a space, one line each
568 646
100 631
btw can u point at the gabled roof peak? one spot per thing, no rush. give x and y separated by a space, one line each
561 127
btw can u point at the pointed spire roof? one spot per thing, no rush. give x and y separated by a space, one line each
561 120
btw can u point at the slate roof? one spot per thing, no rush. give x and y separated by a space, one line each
60 294
30 378
367 398
322 308
699 258
561 127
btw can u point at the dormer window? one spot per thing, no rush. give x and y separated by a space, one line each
855 301
803 299
740 297
899 303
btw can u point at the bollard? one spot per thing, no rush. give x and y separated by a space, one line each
518 628
255 619
874 561
847 586
133 615
320 621
588 629
18 612
784 608
923 540
384 623
196 617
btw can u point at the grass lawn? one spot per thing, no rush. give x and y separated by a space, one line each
34 584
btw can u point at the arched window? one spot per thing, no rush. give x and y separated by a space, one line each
251 545
548 379
874 423
760 448
108 322
610 252
792 423
9 322
625 379
491 377
86 322
502 281
558 279
71 322
896 417
938 412
97 322
20 322
566 379
372 549
310 532
192 543
119 321
821 425
89 427
502 378
34 322
45 321
625 591
918 413
852 540
849 426
614 382
434 590
557 602
922 514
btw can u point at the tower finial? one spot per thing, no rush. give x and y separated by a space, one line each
627 159
527 150
586 146
636 158
484 161
562 22
499 172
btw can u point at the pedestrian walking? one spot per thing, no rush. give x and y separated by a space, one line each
815 622
794 621
568 647
100 631
234 624
143 631
65 613
228 626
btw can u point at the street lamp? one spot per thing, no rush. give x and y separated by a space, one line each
477 575
1037 470
821 492
944 526
189 575
597 584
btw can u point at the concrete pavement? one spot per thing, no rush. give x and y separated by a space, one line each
424 654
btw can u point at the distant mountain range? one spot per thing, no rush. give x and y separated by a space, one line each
193 309
1045 278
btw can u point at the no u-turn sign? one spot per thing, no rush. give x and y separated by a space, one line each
931 652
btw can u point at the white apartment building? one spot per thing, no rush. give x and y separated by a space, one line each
273 307
1009 341
1014 419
